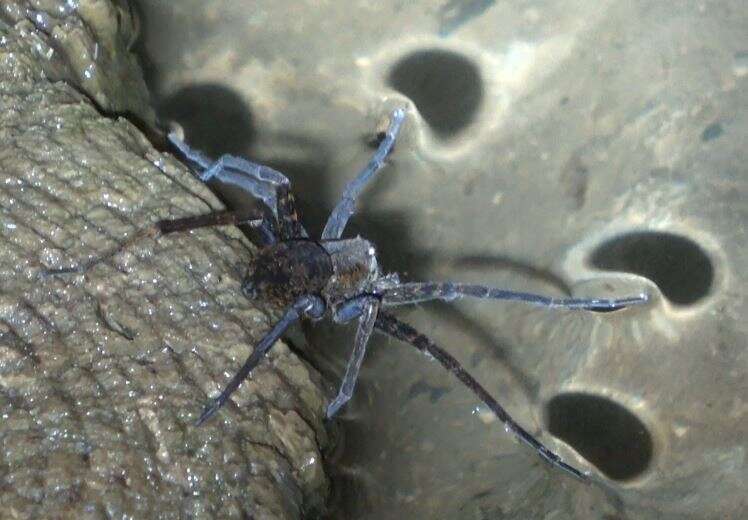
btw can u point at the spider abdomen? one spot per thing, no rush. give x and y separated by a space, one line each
286 270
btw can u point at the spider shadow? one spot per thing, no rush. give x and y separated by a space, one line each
216 119
483 336
516 266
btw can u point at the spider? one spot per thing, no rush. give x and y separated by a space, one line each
339 277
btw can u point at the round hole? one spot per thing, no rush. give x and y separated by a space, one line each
679 267
445 86
603 432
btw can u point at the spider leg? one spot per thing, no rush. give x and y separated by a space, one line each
254 218
367 308
269 186
391 326
347 204
290 225
407 293
305 306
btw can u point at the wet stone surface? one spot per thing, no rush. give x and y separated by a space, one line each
86 43
102 375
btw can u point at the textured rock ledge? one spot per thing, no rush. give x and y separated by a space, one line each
102 376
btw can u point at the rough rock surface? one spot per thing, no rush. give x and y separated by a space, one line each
102 375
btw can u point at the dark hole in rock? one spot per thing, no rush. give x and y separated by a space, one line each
679 266
445 86
603 432
216 120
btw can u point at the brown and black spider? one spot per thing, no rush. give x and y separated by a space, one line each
340 276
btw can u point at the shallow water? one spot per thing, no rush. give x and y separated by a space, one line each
584 146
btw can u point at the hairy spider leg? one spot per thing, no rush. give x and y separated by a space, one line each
367 308
226 162
269 186
408 293
347 204
254 218
289 220
266 184
196 156
308 305
391 326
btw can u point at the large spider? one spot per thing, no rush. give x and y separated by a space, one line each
339 276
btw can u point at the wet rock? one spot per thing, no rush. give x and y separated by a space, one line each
86 43
102 375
